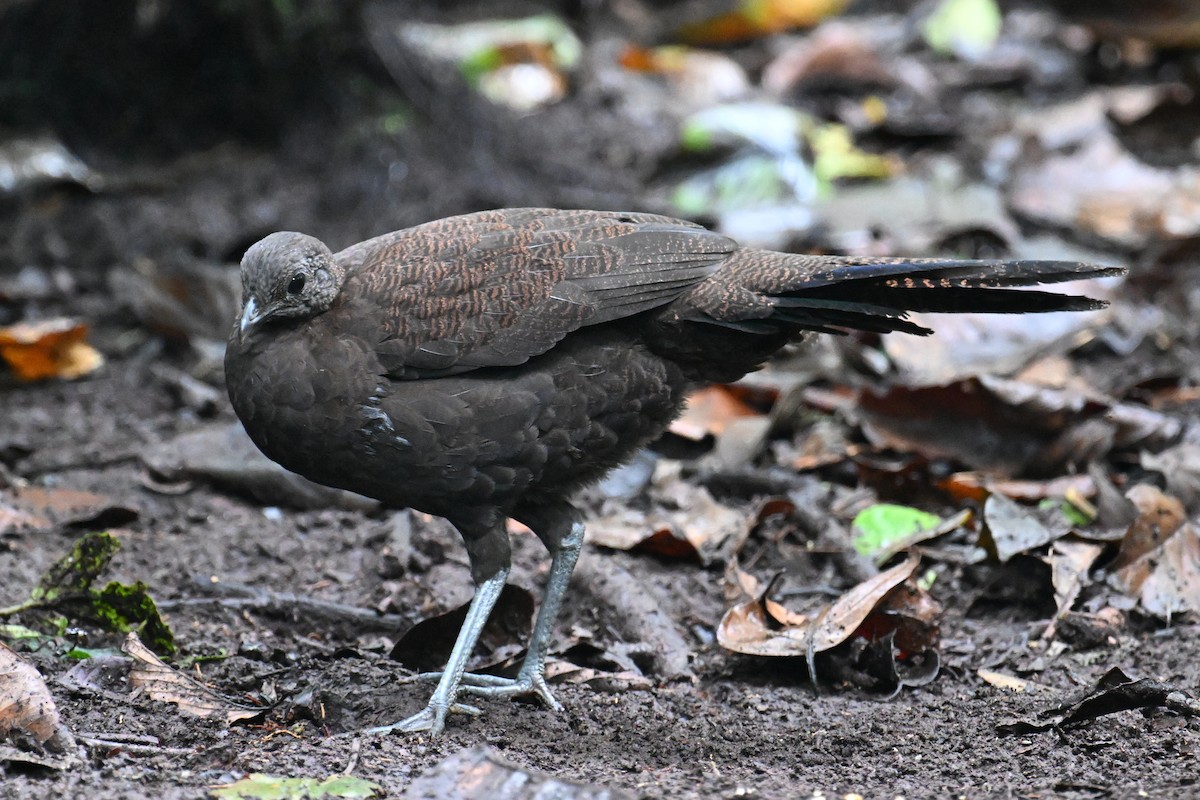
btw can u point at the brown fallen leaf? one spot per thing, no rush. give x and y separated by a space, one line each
1159 516
1070 561
53 348
165 684
560 671
700 528
978 485
40 508
30 728
1007 427
752 628
1180 466
1159 560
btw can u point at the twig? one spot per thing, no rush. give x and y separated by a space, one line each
287 605
139 749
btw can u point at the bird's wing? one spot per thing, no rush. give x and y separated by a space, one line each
496 288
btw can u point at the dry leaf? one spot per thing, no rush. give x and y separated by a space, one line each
978 485
701 528
1011 682
168 685
709 410
53 348
28 717
752 629
560 671
1012 529
1070 560
41 508
1159 561
1101 189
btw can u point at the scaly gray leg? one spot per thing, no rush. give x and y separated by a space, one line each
433 717
531 680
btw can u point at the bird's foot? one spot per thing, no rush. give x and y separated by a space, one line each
496 687
432 718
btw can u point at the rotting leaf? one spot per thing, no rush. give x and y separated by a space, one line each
53 348
1113 692
1159 560
161 682
30 728
72 575
425 647
258 786
67 588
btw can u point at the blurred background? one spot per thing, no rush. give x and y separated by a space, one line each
160 138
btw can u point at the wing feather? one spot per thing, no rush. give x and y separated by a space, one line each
500 287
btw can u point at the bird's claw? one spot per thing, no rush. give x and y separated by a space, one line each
497 687
432 718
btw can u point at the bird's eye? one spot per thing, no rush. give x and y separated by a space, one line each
296 286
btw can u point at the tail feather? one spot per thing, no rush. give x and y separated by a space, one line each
828 294
951 273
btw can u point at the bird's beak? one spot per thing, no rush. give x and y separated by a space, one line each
250 315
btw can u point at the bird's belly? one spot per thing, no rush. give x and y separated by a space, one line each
495 437
507 436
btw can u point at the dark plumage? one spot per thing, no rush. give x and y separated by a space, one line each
486 366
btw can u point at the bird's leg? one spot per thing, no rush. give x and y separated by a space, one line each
485 553
562 534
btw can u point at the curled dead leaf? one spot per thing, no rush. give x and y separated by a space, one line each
28 716
753 627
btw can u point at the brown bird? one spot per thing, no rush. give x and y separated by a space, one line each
486 366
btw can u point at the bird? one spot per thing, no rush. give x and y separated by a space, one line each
486 366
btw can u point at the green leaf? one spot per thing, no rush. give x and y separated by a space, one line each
884 524
964 28
272 787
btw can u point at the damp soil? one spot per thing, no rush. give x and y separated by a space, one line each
741 727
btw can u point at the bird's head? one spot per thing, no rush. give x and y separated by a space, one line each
287 275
